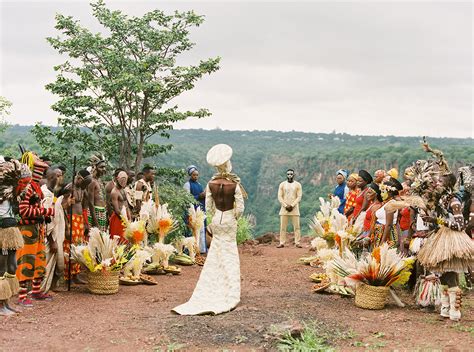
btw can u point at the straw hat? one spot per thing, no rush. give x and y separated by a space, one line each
219 154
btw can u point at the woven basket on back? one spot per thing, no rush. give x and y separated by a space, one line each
371 297
103 283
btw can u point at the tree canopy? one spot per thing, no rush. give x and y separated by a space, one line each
117 87
5 106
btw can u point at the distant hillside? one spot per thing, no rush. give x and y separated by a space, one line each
262 157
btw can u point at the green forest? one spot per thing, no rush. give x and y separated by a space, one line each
261 159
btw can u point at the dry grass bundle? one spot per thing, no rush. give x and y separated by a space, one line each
447 250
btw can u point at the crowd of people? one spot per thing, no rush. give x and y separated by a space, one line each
41 215
428 214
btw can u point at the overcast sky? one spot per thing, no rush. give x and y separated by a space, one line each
401 68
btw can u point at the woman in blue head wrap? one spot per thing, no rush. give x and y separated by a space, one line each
341 189
196 189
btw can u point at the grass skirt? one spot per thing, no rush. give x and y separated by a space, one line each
13 282
10 239
5 291
447 250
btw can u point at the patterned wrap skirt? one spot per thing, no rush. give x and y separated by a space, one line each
31 259
377 235
77 238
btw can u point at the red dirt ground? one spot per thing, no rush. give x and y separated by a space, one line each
275 290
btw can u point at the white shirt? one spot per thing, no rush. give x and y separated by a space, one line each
382 216
290 193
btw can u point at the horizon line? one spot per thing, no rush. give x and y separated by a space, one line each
334 132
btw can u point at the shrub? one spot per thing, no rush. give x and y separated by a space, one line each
244 229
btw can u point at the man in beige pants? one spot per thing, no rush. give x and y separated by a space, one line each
289 196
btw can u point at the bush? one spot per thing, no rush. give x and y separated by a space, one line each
178 200
244 229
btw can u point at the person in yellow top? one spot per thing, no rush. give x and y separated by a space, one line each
289 196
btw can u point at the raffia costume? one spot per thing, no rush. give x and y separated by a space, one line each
218 288
449 250
14 176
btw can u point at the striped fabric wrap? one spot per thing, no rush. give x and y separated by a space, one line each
30 208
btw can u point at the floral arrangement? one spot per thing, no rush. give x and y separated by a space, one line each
319 243
383 267
333 227
135 231
321 224
102 253
340 227
161 222
161 254
133 269
186 243
196 222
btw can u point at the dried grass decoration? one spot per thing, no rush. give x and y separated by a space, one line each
447 250
135 231
196 223
332 230
133 269
383 267
104 258
161 222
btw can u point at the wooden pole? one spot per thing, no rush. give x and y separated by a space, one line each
70 225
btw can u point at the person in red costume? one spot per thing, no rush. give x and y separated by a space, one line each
31 258
120 206
361 201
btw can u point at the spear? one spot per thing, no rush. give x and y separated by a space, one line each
70 225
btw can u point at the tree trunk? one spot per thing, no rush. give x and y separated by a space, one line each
139 157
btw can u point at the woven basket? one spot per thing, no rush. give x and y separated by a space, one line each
103 283
371 297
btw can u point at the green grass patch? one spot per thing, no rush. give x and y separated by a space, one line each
316 337
463 328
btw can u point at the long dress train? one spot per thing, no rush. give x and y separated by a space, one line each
218 288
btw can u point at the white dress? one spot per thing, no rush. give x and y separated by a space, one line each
218 288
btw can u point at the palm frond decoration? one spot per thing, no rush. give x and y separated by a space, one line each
102 253
383 267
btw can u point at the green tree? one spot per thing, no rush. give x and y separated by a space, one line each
117 89
4 112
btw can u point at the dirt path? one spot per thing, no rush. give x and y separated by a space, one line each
275 290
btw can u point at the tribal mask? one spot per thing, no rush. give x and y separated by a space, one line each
122 179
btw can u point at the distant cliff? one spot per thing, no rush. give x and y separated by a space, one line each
261 159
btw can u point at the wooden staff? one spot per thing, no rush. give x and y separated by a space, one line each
70 224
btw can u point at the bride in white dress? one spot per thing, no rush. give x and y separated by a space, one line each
218 288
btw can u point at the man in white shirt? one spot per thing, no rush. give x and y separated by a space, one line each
289 196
